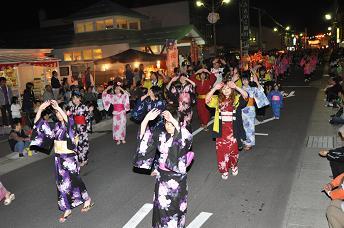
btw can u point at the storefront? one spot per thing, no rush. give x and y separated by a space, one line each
22 66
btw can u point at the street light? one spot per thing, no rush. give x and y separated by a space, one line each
287 28
199 3
226 1
328 16
329 28
301 34
275 29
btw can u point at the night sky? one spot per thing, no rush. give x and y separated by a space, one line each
296 13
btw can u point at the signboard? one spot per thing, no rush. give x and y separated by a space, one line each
172 55
244 11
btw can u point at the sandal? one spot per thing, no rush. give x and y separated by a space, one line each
323 153
87 208
124 142
64 217
247 148
9 200
224 176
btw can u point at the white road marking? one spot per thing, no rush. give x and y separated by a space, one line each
200 220
326 75
291 94
262 134
265 121
201 128
139 216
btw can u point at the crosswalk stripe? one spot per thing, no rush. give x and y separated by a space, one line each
139 216
200 220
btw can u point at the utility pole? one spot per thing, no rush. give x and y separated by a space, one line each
260 29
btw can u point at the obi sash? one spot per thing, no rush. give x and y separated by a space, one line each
81 120
189 157
118 107
227 116
61 147
250 102
201 96
275 98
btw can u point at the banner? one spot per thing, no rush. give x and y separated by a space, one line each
194 52
244 11
172 55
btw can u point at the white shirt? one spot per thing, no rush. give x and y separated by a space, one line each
218 73
15 110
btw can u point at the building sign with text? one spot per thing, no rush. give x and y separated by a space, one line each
245 25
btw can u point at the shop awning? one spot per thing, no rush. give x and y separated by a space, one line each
130 56
7 61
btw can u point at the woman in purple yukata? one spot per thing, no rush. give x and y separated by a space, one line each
173 143
120 102
82 119
71 190
181 91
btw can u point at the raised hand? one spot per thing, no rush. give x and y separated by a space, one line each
231 84
54 104
167 116
219 86
44 105
154 113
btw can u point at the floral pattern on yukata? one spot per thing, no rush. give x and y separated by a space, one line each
170 193
119 120
81 131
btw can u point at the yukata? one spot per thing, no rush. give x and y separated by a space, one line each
238 127
183 96
71 190
202 88
171 191
226 143
82 119
256 96
3 192
276 101
120 107
141 109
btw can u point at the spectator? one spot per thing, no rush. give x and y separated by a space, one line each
129 76
49 94
87 78
17 139
28 103
141 71
55 84
15 108
5 102
332 90
335 211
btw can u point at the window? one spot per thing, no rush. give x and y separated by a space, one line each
109 23
80 27
121 23
68 56
97 54
87 54
77 55
134 25
89 26
100 25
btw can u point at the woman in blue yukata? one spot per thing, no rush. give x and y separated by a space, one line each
71 189
173 143
255 96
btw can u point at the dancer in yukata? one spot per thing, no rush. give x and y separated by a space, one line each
71 189
173 143
256 96
226 143
82 119
276 100
181 92
120 102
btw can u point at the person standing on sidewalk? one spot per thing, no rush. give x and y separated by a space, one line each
5 102
55 85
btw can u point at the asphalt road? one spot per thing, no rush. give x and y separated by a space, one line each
257 197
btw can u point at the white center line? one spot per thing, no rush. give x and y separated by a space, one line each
199 220
262 134
139 216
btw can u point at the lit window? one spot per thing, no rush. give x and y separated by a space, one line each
87 54
68 56
80 28
89 26
109 23
134 25
76 55
100 25
97 53
121 23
